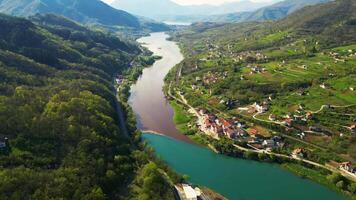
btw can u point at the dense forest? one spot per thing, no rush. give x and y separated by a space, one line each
93 13
58 117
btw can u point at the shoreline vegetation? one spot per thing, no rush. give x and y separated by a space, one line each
131 75
270 92
185 121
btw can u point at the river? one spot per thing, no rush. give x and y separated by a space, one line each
147 99
236 179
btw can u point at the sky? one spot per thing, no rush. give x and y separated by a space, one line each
197 2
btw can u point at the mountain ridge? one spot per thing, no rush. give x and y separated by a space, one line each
169 9
85 12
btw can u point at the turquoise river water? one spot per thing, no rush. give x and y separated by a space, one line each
236 179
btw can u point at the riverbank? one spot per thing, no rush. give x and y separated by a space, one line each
125 82
314 173
235 178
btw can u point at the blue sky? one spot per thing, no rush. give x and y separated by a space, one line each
213 2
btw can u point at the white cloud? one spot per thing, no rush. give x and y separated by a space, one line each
197 2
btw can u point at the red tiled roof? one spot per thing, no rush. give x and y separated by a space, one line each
252 131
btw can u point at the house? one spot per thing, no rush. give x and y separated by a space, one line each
314 129
323 86
224 123
230 133
298 153
301 92
216 129
189 192
210 117
240 132
268 143
272 117
252 132
287 122
4 143
289 115
260 108
256 69
203 111
353 128
270 97
347 166
309 116
277 138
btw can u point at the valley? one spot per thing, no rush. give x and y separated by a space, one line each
120 100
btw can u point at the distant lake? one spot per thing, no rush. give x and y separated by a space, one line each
176 23
237 179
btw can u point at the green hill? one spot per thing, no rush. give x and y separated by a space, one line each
83 11
303 64
58 112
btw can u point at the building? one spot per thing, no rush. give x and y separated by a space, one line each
347 166
269 144
216 129
240 132
309 116
230 133
203 111
272 117
298 153
314 129
288 122
224 123
260 108
256 69
189 192
323 86
4 143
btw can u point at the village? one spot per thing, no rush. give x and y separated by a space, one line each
237 130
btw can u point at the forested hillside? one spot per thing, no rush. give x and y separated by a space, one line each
293 78
93 12
58 117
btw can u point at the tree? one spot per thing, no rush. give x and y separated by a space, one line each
352 188
340 184
334 177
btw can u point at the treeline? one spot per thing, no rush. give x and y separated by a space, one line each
57 109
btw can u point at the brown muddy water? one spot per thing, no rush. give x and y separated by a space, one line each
147 99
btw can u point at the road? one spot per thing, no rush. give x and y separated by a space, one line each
185 102
121 116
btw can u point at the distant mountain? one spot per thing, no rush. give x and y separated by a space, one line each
83 11
272 12
168 10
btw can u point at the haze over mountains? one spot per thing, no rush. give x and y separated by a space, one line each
82 11
272 12
168 10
